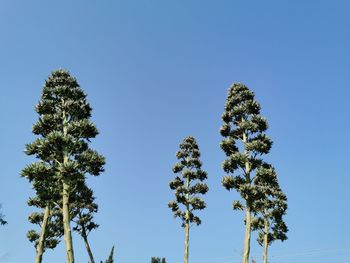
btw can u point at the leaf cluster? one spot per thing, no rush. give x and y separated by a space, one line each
244 142
110 258
83 208
158 260
2 220
64 131
189 183
271 207
54 229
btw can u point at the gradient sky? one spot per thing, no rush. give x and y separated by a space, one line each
156 71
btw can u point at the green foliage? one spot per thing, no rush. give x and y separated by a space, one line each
189 184
83 209
42 176
65 130
62 147
271 208
2 220
244 142
110 258
157 260
54 228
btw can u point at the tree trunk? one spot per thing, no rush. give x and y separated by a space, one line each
66 224
65 202
246 249
266 244
87 245
40 246
187 236
187 226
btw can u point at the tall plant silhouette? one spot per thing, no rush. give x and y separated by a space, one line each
244 143
65 158
270 209
188 186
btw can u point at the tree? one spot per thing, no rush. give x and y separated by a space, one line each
83 210
42 176
110 258
157 260
188 186
63 146
244 142
51 230
2 220
270 209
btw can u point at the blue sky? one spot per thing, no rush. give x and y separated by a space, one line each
156 71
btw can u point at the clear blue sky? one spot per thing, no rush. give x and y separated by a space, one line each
156 71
